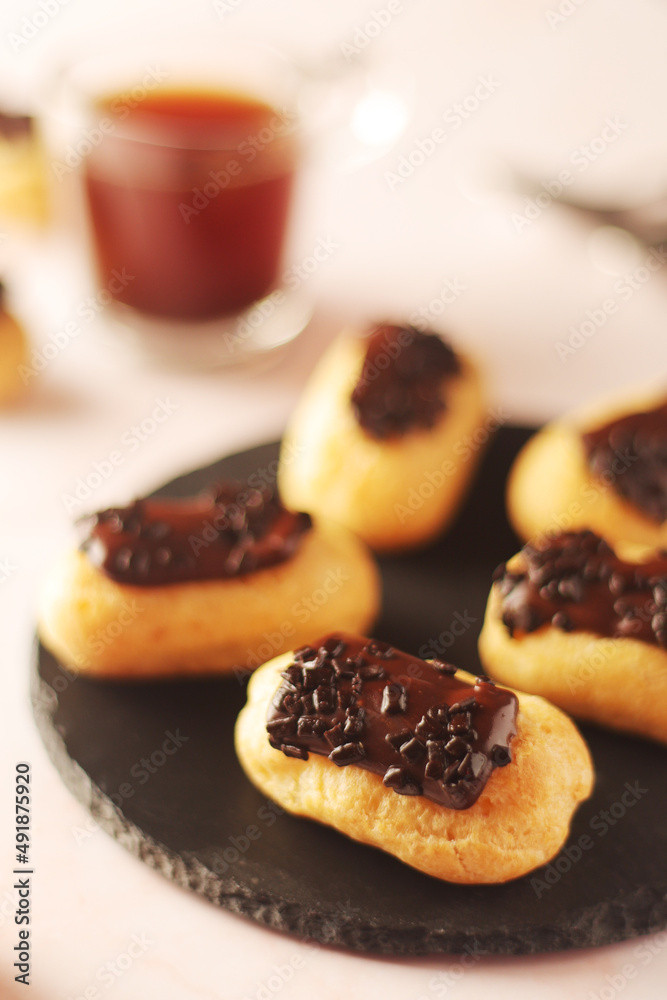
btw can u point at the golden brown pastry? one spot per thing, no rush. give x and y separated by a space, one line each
605 469
22 170
570 620
386 436
456 777
13 353
206 584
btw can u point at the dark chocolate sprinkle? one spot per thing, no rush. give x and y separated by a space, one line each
347 753
457 747
292 676
444 668
502 756
562 621
397 740
400 779
344 698
395 777
394 699
291 704
140 563
354 725
459 724
122 560
307 703
413 749
452 773
335 736
309 726
313 676
466 704
324 700
464 766
280 728
305 653
163 556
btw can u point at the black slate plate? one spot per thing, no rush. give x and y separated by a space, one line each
191 813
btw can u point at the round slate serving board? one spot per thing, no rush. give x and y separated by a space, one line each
155 765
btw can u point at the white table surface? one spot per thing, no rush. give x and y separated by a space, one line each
524 290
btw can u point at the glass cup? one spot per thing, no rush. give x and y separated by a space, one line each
187 151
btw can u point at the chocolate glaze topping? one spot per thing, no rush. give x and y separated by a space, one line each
401 381
575 581
15 126
631 452
359 701
223 533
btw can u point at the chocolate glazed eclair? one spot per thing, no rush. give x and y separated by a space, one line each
571 620
201 584
386 436
605 470
461 779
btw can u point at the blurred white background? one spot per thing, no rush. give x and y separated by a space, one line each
495 106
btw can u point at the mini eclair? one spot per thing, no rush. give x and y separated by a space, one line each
605 470
569 619
380 441
461 779
196 585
